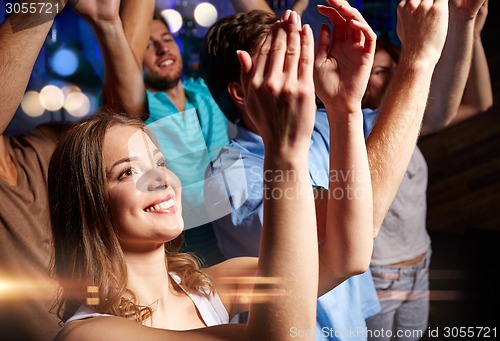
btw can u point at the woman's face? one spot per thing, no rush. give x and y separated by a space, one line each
381 74
145 197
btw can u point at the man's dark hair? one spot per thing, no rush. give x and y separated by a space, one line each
219 62
157 16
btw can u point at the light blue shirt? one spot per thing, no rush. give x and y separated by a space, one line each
233 193
189 141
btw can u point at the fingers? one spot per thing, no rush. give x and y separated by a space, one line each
346 10
281 51
293 50
336 19
323 43
341 17
261 57
349 26
277 52
306 54
364 35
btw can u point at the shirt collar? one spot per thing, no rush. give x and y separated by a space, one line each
251 141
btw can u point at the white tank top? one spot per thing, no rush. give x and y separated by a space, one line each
211 309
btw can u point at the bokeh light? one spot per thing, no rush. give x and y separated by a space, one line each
32 105
52 98
64 62
205 14
77 104
173 18
70 88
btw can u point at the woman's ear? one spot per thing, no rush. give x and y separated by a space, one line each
235 91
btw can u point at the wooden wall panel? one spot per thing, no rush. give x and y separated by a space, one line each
464 174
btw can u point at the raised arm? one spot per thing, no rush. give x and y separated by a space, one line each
342 68
123 88
451 73
279 95
478 95
21 38
278 81
136 20
422 27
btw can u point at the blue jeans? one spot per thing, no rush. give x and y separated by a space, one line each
404 301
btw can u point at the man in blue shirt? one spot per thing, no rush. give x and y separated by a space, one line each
235 187
240 166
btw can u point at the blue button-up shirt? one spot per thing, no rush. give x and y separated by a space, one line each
234 190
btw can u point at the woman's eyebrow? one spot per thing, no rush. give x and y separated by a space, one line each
124 160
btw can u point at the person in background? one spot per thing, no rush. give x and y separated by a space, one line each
384 64
402 251
116 215
189 124
25 236
191 128
235 186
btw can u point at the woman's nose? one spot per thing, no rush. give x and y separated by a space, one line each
154 179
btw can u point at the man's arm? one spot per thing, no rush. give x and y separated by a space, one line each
21 38
422 28
451 73
136 20
123 89
300 6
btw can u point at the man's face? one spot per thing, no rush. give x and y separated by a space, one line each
162 64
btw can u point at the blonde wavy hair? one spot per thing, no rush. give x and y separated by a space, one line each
89 261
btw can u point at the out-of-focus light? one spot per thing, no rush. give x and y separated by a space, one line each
64 62
77 104
31 104
52 98
69 89
14 288
173 18
205 14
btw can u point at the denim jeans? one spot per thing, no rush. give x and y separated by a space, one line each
404 301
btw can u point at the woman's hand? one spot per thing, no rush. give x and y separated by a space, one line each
344 58
278 86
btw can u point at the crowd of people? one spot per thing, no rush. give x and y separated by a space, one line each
309 221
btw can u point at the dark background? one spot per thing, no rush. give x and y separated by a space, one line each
464 161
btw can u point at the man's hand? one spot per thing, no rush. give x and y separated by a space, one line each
98 11
422 27
343 59
480 19
467 9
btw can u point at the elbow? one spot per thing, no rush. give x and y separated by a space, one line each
486 105
355 268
